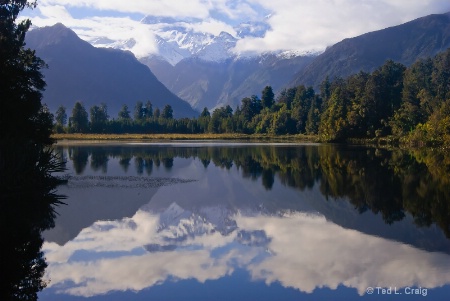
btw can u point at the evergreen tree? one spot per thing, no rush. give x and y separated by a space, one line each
99 118
267 97
124 113
61 116
205 112
139 112
167 112
156 113
60 119
148 110
79 122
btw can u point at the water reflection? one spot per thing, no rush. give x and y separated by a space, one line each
304 217
384 182
298 250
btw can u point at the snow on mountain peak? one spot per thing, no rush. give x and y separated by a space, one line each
177 39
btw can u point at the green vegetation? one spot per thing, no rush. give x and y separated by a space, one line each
392 104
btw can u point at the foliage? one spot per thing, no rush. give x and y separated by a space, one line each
167 112
26 163
79 122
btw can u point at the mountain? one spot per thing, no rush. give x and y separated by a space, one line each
420 38
177 40
208 83
78 71
205 70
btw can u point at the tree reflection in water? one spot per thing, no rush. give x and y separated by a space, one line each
28 205
389 183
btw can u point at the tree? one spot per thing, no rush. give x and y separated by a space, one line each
287 97
250 107
325 90
205 112
301 106
99 118
139 111
204 119
61 119
124 113
333 123
61 116
21 82
156 113
79 122
313 121
220 120
27 187
167 112
267 97
148 110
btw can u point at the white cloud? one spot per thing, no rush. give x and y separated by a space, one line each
316 24
302 25
173 8
212 26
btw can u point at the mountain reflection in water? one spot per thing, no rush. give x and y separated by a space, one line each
303 217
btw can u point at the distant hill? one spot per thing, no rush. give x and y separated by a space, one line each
80 72
420 38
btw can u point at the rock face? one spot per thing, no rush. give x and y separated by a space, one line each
77 71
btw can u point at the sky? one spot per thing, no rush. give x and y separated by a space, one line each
302 25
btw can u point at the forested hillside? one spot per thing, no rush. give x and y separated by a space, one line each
393 101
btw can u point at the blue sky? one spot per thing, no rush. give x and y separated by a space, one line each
304 25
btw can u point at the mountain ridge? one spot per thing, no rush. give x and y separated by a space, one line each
79 71
405 43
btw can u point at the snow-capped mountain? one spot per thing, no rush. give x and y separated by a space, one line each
176 40
175 46
204 68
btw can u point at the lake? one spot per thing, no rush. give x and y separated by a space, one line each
232 221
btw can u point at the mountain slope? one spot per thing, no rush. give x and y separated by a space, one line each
206 83
420 38
80 72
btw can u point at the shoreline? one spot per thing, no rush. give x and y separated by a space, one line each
388 142
99 138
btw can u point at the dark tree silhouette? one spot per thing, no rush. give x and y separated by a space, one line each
26 164
167 112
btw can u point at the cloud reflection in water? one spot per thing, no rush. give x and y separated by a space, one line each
299 250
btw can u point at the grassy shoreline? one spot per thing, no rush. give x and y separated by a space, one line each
389 142
192 137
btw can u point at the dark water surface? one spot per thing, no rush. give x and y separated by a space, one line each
212 221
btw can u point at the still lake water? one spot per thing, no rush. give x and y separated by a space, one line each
224 221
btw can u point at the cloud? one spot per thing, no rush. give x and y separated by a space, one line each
302 25
173 8
315 24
